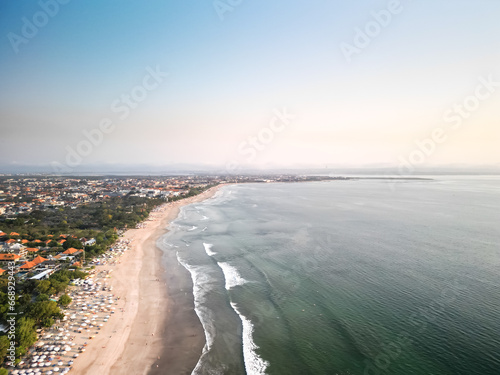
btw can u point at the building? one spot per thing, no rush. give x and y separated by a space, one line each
9 258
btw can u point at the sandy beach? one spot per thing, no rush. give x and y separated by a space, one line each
155 329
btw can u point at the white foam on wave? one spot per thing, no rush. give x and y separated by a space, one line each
254 365
204 229
208 249
204 217
194 227
199 278
170 245
231 275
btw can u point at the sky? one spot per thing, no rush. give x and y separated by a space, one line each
237 83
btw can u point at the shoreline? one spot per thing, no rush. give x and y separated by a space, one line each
155 329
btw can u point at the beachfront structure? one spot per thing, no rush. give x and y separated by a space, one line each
9 258
72 251
33 264
13 248
44 274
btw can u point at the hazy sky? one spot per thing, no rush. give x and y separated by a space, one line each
316 82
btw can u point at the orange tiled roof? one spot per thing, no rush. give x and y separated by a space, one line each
37 241
9 256
32 249
28 265
10 241
24 241
39 260
71 250
1 271
14 234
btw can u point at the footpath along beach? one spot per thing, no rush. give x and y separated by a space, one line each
154 329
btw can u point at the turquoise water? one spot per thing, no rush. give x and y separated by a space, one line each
346 277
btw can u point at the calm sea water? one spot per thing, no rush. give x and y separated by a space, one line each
346 277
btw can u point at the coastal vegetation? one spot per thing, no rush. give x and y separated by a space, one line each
52 232
34 305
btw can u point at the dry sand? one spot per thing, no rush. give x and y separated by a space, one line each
155 329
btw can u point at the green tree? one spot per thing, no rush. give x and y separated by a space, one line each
25 335
4 346
43 312
43 297
43 287
64 300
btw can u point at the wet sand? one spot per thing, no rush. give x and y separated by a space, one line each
155 329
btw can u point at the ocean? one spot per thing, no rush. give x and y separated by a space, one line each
362 276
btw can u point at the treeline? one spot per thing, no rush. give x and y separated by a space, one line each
97 220
192 192
116 212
